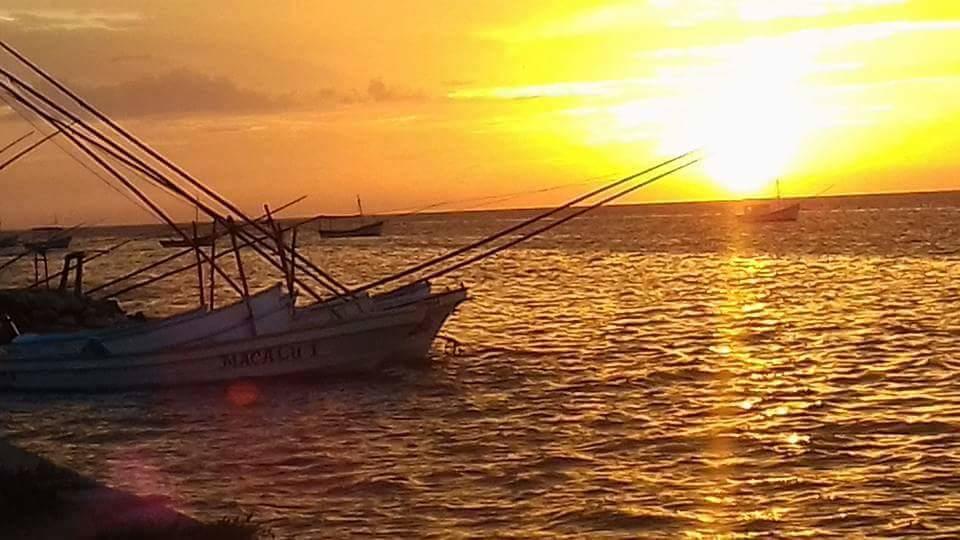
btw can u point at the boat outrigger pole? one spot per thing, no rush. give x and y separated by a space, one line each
135 163
526 223
338 289
16 141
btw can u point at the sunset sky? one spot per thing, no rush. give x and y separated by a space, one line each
412 102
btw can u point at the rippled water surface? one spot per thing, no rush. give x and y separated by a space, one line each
644 372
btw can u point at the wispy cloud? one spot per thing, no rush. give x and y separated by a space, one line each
65 19
629 16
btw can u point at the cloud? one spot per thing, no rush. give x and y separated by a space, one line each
58 20
181 91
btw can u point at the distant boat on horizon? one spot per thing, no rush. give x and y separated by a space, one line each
205 240
49 238
769 212
371 229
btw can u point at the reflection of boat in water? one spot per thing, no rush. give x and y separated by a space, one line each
47 239
767 212
374 228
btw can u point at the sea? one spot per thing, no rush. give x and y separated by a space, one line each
654 371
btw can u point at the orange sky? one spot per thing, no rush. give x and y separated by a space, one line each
409 103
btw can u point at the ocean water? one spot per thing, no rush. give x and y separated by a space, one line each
645 372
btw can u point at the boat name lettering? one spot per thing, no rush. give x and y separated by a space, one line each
270 355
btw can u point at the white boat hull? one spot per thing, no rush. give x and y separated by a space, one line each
357 345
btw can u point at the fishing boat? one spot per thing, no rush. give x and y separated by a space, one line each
206 240
228 322
328 230
355 345
367 230
44 239
766 212
352 331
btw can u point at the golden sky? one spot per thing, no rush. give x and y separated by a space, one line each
413 102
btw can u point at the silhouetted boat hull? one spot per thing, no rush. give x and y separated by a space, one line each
356 345
367 230
202 241
59 242
770 213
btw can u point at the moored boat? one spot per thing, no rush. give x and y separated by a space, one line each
774 211
366 230
356 345
44 239
200 241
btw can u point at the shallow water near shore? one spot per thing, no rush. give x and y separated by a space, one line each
657 371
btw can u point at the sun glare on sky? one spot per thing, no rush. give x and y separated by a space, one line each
424 101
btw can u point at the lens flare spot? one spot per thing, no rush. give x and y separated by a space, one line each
243 394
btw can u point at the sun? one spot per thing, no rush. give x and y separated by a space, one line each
749 115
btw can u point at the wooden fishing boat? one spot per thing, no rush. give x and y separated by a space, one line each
229 322
44 239
355 345
768 212
200 241
328 230
366 230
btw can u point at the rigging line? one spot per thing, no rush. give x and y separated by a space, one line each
17 140
79 160
183 174
553 224
523 224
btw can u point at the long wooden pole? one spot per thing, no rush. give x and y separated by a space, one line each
510 230
196 250
16 157
16 141
153 153
113 172
181 269
125 156
213 257
165 260
557 223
